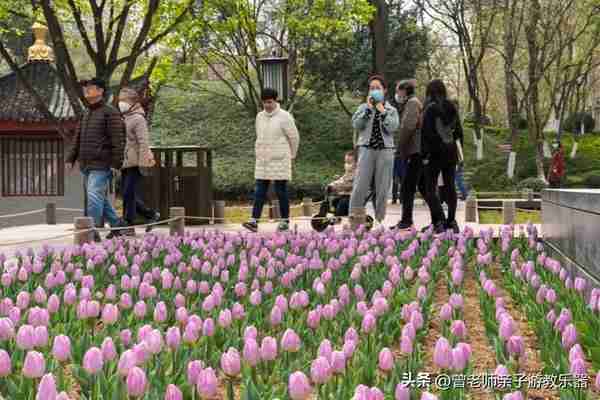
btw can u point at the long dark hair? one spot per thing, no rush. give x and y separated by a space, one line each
436 91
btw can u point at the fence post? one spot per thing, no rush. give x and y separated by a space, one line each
508 212
177 227
358 217
51 213
471 209
219 212
82 230
307 207
274 210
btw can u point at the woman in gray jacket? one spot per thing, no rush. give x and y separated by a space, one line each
376 120
137 155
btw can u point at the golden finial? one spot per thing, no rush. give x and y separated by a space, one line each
40 51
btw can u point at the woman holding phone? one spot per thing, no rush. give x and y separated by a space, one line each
375 120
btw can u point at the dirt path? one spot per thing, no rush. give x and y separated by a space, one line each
483 359
533 363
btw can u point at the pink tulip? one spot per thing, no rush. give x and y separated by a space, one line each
320 370
63 396
173 338
173 393
428 396
34 365
515 346
251 352
386 360
47 388
207 383
136 382
125 336
41 336
276 316
231 363
406 345
7 329
193 371
569 336
458 329
5 364
26 337
127 361
153 341
368 323
290 341
61 349
459 360
268 349
325 349
442 355
208 328
299 386
109 351
348 348
93 361
110 314
402 392
338 362
225 318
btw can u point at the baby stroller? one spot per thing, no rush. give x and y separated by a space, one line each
331 212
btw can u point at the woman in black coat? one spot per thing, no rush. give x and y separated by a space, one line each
441 130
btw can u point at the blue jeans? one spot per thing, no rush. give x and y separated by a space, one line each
260 196
96 182
460 181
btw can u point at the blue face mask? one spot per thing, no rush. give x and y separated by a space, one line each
376 95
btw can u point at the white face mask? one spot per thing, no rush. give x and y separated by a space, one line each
124 106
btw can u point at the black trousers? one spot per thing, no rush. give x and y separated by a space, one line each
342 206
413 179
132 201
431 173
260 197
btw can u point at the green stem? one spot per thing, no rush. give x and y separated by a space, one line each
230 393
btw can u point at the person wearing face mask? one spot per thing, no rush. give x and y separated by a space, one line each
409 148
375 120
137 155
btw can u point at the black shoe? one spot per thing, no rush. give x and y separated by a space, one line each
123 231
439 228
425 228
403 226
394 201
152 220
453 225
97 237
251 226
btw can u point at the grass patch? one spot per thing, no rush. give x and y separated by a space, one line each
492 217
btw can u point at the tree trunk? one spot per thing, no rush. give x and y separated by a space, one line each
379 36
509 85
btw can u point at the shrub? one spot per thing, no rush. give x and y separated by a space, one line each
593 181
573 122
535 184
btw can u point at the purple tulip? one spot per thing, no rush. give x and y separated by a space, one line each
231 363
7 329
459 361
173 393
516 346
428 396
127 361
569 336
458 329
501 370
26 337
41 336
368 323
577 367
456 301
406 345
513 396
338 362
299 386
173 337
110 314
136 382
109 351
208 327
507 328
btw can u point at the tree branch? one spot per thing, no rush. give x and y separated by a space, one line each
82 30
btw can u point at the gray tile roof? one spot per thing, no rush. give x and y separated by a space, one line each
16 104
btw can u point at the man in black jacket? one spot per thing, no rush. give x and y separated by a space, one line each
99 148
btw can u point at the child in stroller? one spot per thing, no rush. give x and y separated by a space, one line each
337 198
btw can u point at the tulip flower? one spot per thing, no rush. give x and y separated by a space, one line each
47 388
320 370
34 365
193 371
207 383
173 393
5 364
93 361
386 360
268 349
299 386
231 363
251 352
442 354
402 392
290 341
136 382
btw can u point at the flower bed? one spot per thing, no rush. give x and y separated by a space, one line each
280 316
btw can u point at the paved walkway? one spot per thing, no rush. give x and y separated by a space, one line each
33 235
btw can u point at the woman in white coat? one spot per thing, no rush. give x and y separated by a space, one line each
276 147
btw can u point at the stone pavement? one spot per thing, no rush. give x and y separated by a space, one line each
33 235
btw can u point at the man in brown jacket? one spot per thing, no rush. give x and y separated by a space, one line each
409 147
99 148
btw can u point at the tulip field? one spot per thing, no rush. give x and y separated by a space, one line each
337 315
